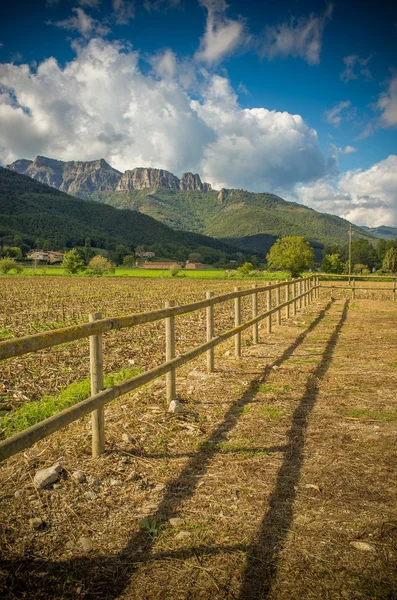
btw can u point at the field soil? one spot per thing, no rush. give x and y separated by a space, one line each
278 481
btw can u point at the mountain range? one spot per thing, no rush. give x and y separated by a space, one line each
30 210
251 221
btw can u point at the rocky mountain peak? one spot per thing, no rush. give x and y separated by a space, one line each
189 181
222 196
81 178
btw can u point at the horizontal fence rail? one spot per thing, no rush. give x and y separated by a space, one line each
298 292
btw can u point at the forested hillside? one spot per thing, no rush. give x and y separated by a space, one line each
30 210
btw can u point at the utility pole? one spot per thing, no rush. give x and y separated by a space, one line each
350 251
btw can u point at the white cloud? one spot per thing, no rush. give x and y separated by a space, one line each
387 104
356 67
90 3
101 105
366 197
300 37
123 10
165 64
222 35
348 150
83 23
334 115
256 149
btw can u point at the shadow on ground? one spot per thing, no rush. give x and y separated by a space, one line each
106 577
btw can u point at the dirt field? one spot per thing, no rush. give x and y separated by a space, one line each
282 470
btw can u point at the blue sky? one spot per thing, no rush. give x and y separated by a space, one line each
298 98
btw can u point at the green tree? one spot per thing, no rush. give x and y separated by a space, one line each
88 251
332 263
99 265
291 254
72 262
195 257
129 260
381 249
390 260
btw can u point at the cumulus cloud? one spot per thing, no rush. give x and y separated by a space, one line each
222 35
387 104
356 67
256 148
101 105
164 63
335 117
83 23
300 37
366 197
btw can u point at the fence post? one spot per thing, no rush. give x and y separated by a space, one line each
96 375
300 294
255 314
305 301
269 307
170 377
287 299
354 289
311 288
394 289
293 297
237 321
210 333
317 281
278 300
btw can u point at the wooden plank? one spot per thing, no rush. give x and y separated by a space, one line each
255 335
96 376
237 321
170 353
210 334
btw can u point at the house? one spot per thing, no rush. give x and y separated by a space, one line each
50 256
194 265
145 254
161 265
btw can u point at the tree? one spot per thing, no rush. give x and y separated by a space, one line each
129 260
72 262
381 249
195 257
291 254
99 265
390 260
332 263
88 251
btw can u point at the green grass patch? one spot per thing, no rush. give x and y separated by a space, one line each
273 389
375 415
393 365
6 333
272 413
33 412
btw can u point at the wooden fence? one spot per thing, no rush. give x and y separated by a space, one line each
353 287
297 293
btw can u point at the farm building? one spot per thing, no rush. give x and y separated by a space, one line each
161 265
194 265
49 256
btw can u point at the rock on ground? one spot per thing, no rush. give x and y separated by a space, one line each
47 476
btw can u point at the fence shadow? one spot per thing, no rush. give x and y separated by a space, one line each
106 577
262 561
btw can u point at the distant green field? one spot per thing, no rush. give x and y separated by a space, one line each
52 270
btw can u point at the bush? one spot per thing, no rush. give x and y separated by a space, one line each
99 265
10 264
72 262
246 269
174 270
